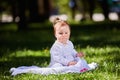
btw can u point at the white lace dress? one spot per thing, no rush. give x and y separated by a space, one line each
60 56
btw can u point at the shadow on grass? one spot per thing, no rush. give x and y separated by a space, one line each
26 61
94 35
40 39
41 61
97 43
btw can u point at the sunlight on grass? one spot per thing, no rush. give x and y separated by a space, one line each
107 58
20 53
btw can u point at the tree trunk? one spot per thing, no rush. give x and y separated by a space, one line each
21 13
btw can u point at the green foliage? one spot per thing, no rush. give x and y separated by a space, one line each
63 6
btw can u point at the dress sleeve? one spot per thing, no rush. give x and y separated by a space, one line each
74 52
57 56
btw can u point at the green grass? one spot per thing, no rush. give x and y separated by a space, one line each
107 58
101 45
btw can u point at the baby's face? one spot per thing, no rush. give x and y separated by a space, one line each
62 34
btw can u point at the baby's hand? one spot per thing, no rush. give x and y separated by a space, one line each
80 54
72 63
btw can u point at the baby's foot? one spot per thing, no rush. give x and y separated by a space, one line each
93 65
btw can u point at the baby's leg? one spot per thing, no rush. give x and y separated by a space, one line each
56 65
82 64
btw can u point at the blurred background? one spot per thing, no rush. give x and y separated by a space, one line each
24 12
27 23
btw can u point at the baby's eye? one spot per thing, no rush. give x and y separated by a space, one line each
66 33
60 33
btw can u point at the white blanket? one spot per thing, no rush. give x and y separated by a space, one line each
78 68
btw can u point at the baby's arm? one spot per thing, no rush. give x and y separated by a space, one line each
80 54
72 63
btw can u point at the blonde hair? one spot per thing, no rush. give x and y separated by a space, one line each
60 21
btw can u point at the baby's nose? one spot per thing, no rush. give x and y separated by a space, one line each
64 34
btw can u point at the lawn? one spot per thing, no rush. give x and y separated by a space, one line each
100 44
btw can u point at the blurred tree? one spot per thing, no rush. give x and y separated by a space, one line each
43 9
105 8
73 6
88 7
27 10
21 14
39 10
33 11
14 9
